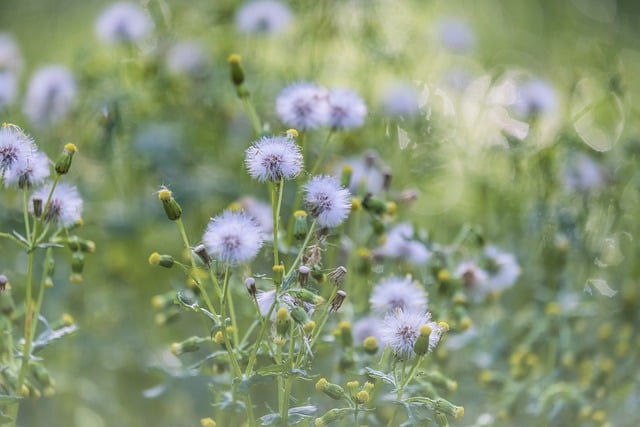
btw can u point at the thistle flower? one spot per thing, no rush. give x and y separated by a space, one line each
401 245
51 93
274 158
65 206
327 201
263 17
303 106
346 109
398 293
123 23
400 99
15 147
233 237
401 329
29 171
187 58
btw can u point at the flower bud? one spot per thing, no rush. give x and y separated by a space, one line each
237 73
386 178
278 274
77 244
37 207
307 296
362 397
202 254
303 275
77 266
208 422
7 305
165 261
330 417
189 345
171 207
370 345
3 282
334 391
40 373
283 321
309 327
444 406
374 205
345 177
346 336
163 301
292 133
299 315
64 161
300 225
421 346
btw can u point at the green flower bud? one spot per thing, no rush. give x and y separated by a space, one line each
334 391
171 207
64 161
299 315
373 205
189 345
345 177
330 417
165 261
300 225
421 346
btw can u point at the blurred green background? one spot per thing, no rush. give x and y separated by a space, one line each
192 136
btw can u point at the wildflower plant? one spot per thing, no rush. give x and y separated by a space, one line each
51 214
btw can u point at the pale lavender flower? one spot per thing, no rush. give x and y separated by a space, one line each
233 237
398 293
401 99
274 158
456 35
474 279
15 147
535 97
368 326
346 109
327 200
123 23
65 206
10 56
303 106
503 268
401 329
366 173
187 58
29 171
401 245
264 17
8 88
50 95
582 174
261 212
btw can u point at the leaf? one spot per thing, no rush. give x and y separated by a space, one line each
49 336
255 379
153 392
599 285
381 375
416 416
49 245
4 399
295 415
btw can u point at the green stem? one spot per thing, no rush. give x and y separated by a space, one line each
253 116
324 315
323 150
276 204
302 248
263 329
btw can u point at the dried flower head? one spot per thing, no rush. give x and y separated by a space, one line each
327 201
263 17
274 158
50 96
123 23
303 106
233 237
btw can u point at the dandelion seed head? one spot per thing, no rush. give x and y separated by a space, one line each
261 212
8 88
456 35
368 326
274 158
65 206
29 171
346 109
15 147
123 23
327 200
187 58
10 57
582 174
400 244
503 268
398 293
263 17
401 99
233 237
303 106
50 96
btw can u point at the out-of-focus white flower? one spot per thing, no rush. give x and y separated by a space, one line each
582 173
8 88
10 56
346 109
233 237
50 95
401 329
263 17
456 35
187 58
401 99
535 97
474 279
274 158
398 293
261 212
401 245
503 268
368 326
15 147
29 171
303 106
123 23
327 200
65 206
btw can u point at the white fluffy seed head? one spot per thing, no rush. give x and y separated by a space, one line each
398 293
50 96
401 329
274 158
303 106
346 109
123 23
233 237
327 200
65 206
263 17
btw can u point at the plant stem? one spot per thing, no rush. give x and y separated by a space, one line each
302 248
253 116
